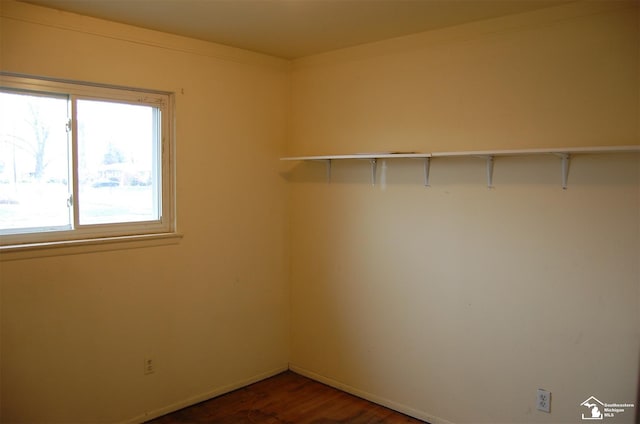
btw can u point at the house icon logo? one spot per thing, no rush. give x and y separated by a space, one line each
595 409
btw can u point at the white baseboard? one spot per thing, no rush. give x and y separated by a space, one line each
421 415
149 415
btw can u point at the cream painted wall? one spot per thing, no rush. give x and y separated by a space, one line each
454 303
212 309
563 76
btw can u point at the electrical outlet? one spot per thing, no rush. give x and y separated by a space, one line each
544 400
149 365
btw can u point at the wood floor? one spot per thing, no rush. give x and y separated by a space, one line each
287 398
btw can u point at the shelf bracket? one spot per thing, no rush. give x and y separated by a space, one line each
373 163
565 169
427 164
328 166
489 171
383 175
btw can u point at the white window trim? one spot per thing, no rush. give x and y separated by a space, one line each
111 234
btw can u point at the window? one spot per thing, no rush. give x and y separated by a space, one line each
81 161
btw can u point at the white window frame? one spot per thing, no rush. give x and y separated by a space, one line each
96 233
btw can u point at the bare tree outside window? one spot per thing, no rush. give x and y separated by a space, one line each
116 150
33 150
83 161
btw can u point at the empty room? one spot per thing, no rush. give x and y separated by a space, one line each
432 205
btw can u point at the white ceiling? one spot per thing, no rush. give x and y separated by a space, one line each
295 28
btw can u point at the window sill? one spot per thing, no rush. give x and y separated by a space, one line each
74 247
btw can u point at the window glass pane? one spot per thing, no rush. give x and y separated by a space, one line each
34 163
117 162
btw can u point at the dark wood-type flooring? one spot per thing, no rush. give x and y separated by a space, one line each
287 398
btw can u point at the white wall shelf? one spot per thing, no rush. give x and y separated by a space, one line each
563 153
380 155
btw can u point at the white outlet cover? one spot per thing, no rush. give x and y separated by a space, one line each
543 400
149 366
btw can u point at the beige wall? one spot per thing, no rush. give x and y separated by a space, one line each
455 302
546 78
212 309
